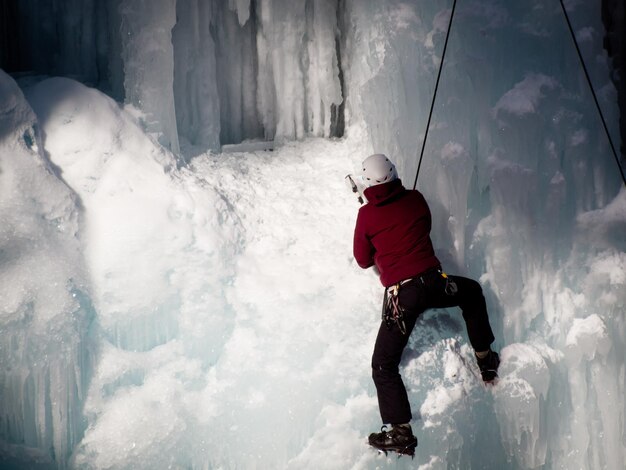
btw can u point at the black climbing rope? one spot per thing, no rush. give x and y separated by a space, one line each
580 56
595 98
432 104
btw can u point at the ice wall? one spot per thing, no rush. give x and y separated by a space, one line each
397 46
277 69
64 42
147 52
157 256
298 66
236 76
45 311
79 39
614 19
210 72
389 72
275 64
516 167
524 192
195 90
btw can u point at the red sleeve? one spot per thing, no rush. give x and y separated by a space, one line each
362 247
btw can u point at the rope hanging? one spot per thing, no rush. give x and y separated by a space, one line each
582 62
432 104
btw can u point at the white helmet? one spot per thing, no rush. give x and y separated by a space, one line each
378 169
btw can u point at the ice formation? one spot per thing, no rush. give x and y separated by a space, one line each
147 53
195 92
156 314
45 312
204 72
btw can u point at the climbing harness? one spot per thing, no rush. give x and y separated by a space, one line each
393 312
432 103
451 287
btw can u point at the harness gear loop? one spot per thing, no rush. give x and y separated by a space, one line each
392 310
451 287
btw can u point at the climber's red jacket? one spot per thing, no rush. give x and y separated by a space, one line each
393 231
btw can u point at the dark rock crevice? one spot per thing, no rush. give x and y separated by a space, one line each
338 123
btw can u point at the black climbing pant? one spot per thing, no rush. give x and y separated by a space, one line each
415 296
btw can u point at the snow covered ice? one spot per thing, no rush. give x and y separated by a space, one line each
202 309
45 311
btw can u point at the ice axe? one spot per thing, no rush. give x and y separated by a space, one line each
354 188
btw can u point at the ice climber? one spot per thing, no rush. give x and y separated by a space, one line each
393 232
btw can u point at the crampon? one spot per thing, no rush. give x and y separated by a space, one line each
399 440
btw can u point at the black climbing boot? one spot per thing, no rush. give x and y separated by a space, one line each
400 439
488 366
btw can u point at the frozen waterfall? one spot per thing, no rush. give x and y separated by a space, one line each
165 305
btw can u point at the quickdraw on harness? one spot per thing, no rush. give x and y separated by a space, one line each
451 287
392 310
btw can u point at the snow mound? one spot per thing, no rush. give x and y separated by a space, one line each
45 311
